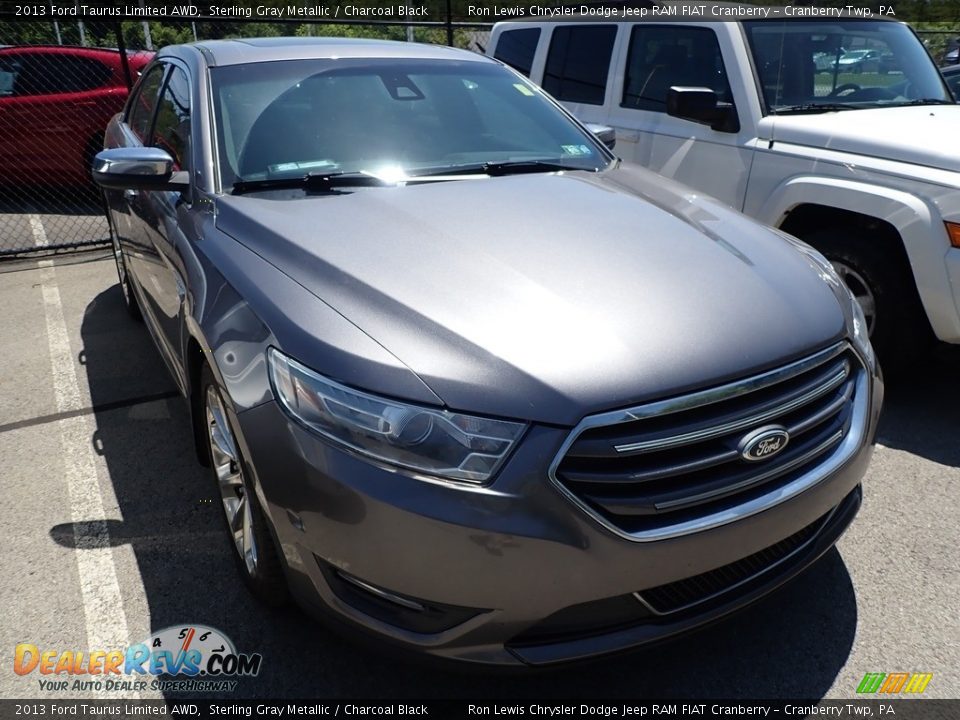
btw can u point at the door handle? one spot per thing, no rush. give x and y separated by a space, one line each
130 195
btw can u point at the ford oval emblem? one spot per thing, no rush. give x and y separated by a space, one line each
764 443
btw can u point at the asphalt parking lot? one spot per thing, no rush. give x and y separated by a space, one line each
113 532
50 218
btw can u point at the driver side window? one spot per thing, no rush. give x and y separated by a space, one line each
171 130
144 102
661 57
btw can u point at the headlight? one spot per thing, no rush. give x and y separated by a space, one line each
435 442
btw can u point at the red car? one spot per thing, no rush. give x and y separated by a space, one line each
55 102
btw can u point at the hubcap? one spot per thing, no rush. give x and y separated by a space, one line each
861 291
233 489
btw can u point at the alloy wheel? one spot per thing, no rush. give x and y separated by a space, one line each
861 291
228 469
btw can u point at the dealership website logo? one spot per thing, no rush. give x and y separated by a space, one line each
199 657
892 683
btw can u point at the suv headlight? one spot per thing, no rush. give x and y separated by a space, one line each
425 440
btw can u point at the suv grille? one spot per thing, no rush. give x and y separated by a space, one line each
661 469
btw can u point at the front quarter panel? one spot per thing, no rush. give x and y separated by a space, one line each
917 217
242 305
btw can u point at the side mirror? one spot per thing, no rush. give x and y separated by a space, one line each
138 168
604 133
701 105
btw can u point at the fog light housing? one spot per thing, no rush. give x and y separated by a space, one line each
402 611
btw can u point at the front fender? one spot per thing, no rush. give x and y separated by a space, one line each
916 220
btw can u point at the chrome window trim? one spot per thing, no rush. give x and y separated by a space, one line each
844 452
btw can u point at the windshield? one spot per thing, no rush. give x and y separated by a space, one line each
841 65
386 117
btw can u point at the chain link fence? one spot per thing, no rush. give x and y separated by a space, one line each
61 82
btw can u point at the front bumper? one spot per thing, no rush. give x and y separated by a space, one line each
511 574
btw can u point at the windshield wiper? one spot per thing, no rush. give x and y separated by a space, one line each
922 101
812 108
495 169
311 181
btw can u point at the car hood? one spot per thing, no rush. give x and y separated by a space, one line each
548 296
923 135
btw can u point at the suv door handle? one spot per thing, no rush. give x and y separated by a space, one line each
130 195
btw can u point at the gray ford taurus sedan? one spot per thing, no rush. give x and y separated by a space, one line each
465 381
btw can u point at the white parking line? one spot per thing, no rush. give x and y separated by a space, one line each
106 621
36 227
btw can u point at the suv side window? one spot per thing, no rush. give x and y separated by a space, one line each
663 56
516 48
578 63
144 101
171 131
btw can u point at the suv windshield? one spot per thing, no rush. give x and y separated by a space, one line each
806 66
391 118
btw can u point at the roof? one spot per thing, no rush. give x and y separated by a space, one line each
255 50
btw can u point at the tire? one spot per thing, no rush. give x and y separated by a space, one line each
881 280
247 531
123 276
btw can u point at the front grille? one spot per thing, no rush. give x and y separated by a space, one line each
670 463
683 594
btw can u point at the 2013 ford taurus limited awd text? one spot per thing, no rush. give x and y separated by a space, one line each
464 380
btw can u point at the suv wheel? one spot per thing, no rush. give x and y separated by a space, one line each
884 287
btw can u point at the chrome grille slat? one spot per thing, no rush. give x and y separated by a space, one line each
625 508
710 460
815 419
684 471
660 474
662 444
714 395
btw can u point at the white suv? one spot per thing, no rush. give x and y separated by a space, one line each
861 160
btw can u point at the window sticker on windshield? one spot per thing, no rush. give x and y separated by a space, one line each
523 89
576 150
292 166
